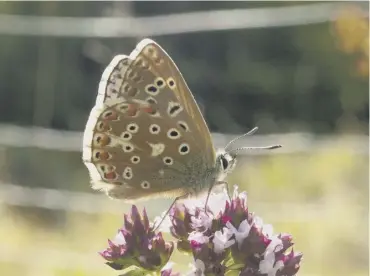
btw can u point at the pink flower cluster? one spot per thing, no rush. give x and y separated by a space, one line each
231 240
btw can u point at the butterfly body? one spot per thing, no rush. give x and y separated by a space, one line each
146 136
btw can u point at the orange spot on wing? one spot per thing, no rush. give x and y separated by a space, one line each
104 155
112 117
110 175
149 109
104 140
132 110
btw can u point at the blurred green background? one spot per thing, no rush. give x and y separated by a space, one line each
298 70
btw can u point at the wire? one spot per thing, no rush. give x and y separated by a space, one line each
199 21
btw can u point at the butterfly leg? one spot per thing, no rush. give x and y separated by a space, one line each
209 192
227 188
210 189
155 228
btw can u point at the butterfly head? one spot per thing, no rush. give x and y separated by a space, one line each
225 162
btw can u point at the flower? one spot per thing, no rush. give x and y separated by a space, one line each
241 233
198 268
222 241
137 245
230 239
167 270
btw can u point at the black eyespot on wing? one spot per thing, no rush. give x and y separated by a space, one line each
174 109
160 83
152 89
174 133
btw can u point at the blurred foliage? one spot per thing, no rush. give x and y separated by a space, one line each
282 79
309 78
352 29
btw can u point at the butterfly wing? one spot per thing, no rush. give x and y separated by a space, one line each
145 128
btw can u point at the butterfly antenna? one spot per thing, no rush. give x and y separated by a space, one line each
251 132
255 148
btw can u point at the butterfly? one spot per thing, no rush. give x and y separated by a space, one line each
145 136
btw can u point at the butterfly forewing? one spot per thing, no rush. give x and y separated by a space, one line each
145 132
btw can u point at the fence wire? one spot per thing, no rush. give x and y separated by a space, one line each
199 21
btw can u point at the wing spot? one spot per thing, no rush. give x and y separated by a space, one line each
183 125
132 111
132 127
168 160
151 89
154 129
103 126
110 176
123 107
127 173
184 149
102 155
126 136
160 82
151 100
173 133
135 159
128 148
174 109
110 115
157 149
101 140
171 83
145 184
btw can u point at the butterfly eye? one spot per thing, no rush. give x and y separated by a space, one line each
154 129
225 162
173 133
168 160
184 149
145 185
132 127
